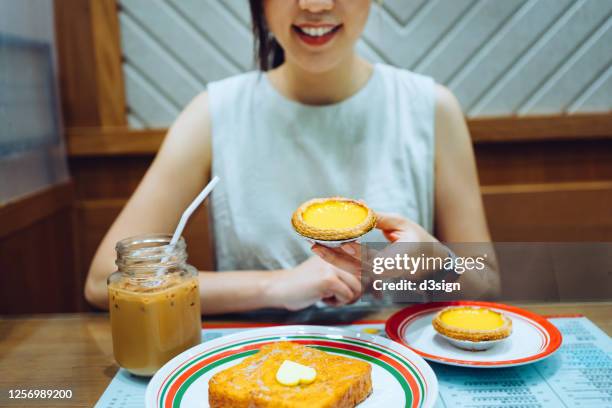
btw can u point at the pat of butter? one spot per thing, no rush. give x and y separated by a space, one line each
291 373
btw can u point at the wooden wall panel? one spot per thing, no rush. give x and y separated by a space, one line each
555 212
77 72
107 61
37 269
18 215
114 177
576 127
113 141
544 162
91 79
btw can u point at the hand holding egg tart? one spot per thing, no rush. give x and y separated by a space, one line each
333 219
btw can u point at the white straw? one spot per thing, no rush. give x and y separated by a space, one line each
192 207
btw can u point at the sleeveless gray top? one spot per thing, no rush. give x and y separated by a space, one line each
273 153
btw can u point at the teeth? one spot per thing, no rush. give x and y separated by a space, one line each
316 31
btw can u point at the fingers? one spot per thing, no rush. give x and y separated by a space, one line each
391 222
340 287
335 287
332 301
338 258
361 253
352 281
349 257
352 249
392 236
398 228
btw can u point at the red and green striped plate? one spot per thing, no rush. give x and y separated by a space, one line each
533 337
400 377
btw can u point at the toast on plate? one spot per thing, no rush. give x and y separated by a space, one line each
340 382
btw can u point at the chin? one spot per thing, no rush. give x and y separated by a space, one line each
317 63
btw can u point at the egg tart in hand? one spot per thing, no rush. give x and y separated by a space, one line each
333 219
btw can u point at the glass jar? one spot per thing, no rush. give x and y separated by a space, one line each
154 303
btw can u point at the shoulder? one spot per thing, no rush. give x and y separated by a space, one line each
447 105
452 134
196 113
189 135
201 103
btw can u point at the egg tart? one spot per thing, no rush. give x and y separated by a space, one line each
474 324
333 219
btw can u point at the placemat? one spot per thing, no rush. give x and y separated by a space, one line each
579 375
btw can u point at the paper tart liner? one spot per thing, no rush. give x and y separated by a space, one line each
329 244
473 345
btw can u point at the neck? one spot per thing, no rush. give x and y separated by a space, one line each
322 88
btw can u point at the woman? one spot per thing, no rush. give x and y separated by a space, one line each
317 120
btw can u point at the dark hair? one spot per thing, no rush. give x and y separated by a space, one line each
268 51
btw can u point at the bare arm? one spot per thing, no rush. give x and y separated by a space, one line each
459 210
178 173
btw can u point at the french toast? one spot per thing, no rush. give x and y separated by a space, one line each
341 382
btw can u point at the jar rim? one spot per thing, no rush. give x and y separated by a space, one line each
150 254
159 242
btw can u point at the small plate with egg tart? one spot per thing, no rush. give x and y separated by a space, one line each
472 328
333 221
474 334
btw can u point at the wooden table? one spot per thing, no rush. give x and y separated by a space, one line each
74 351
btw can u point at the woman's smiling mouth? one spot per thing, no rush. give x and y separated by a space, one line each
316 34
